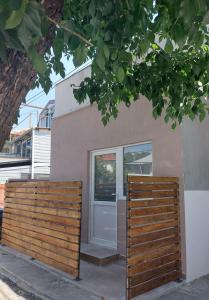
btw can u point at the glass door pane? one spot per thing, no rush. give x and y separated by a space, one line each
105 177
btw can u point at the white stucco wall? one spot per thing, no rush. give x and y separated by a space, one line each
197 233
65 100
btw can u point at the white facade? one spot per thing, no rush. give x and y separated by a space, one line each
18 172
36 165
41 152
64 91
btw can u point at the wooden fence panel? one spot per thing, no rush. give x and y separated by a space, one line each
153 233
43 220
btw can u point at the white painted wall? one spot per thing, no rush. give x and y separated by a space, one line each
19 172
41 157
65 100
197 233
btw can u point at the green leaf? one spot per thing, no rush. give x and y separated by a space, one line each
92 8
202 115
168 46
38 61
16 16
80 56
106 51
35 28
120 74
100 60
24 36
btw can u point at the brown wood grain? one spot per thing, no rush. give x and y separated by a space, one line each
42 219
151 284
151 187
151 179
45 210
150 255
152 210
151 202
144 220
45 217
148 275
45 203
67 198
32 184
146 265
153 235
156 244
49 190
43 224
132 232
60 235
152 194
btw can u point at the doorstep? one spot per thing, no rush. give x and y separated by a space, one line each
98 255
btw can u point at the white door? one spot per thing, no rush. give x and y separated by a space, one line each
104 192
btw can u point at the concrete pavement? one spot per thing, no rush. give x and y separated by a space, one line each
32 280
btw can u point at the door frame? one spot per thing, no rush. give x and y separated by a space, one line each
94 153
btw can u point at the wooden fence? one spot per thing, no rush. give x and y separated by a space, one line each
43 219
153 239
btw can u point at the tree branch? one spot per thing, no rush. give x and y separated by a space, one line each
71 31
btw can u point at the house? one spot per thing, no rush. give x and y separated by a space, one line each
134 143
27 154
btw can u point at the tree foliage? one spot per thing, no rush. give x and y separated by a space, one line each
159 49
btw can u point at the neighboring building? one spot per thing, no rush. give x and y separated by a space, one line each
29 151
134 143
47 114
31 158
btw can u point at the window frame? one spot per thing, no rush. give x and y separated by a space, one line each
119 165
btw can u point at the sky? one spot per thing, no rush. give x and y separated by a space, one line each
37 97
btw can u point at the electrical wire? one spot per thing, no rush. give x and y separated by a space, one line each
39 94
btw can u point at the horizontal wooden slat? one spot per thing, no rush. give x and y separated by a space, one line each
44 259
152 210
44 224
60 235
148 275
151 179
153 241
45 203
150 187
42 219
21 184
152 202
42 237
150 255
151 245
74 255
153 227
151 219
51 218
146 265
54 255
45 210
154 283
66 191
152 236
152 194
68 198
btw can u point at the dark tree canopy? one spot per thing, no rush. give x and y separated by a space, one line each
158 48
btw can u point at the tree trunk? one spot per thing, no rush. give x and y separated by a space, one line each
18 75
